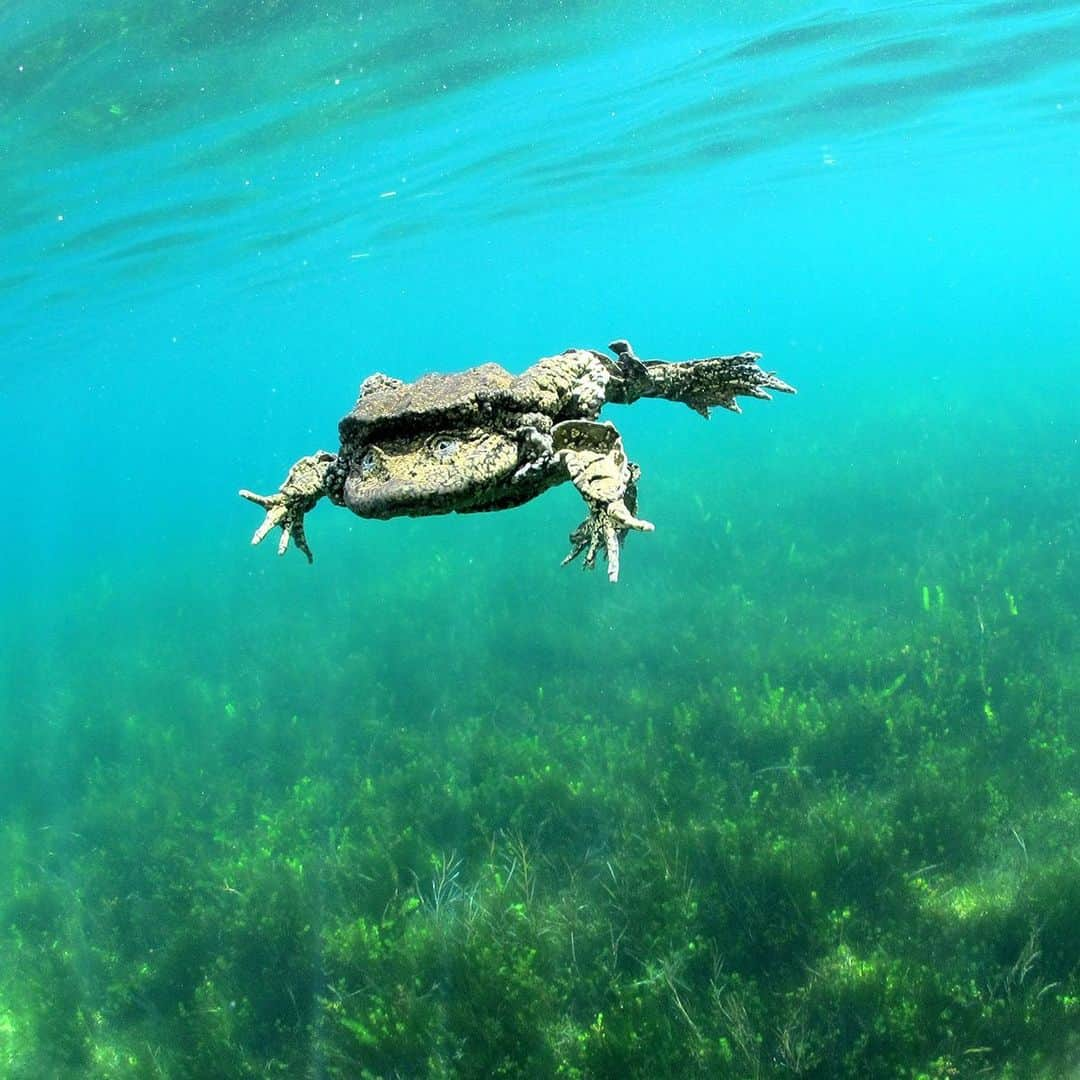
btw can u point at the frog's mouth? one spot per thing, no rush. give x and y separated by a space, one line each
383 499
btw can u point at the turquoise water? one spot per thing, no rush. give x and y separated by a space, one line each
798 796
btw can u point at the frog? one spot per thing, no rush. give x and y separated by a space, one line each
483 439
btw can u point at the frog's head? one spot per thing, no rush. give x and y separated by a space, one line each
430 472
443 443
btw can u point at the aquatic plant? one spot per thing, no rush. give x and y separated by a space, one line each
807 833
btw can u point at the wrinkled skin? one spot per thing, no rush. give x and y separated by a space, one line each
484 439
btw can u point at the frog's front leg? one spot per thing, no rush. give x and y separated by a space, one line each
305 485
596 461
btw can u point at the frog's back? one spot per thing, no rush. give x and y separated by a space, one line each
387 405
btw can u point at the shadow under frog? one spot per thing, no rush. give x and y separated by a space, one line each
484 439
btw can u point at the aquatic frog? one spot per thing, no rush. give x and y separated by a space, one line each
484 439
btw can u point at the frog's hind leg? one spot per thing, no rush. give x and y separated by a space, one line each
596 461
700 384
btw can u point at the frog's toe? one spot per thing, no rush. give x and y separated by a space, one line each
300 540
604 530
622 517
276 512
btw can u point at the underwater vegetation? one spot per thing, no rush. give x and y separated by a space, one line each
812 810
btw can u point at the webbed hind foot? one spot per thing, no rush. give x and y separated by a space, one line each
594 456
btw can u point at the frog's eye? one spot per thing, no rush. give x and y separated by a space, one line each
443 446
366 464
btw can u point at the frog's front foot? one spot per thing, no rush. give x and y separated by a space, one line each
535 449
302 489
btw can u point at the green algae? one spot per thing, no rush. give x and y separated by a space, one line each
793 834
